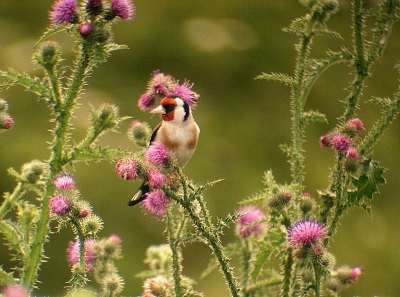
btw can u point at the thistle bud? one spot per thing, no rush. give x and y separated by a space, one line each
3 105
352 160
6 122
33 172
92 224
85 29
139 133
105 118
157 286
94 7
112 284
280 199
48 55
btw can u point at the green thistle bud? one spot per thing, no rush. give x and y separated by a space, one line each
158 256
112 284
92 224
3 105
280 199
105 118
139 133
48 55
34 171
306 206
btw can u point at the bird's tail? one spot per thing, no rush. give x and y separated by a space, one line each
140 194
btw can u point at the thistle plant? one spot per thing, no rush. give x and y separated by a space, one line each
282 234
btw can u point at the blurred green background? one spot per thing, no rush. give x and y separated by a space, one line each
220 46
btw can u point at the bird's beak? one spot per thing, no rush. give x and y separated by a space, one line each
158 110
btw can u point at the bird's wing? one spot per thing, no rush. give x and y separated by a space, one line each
154 134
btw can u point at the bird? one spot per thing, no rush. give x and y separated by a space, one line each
177 131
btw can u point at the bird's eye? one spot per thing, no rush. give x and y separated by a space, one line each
169 107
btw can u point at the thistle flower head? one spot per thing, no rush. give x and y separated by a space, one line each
357 124
6 122
73 253
126 168
156 179
64 12
64 182
185 92
340 142
156 203
306 232
325 141
156 286
157 154
59 205
146 101
121 8
115 238
247 224
352 154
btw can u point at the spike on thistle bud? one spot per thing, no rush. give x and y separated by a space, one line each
48 55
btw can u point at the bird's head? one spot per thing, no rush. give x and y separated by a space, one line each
172 109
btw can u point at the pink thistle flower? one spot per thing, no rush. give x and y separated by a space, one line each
356 273
340 142
59 205
146 101
185 92
83 213
352 154
156 203
85 29
325 141
64 12
126 168
306 232
6 122
115 238
156 179
157 154
15 291
123 9
73 253
356 123
64 182
94 5
250 215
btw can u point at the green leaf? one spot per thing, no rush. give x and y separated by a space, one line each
279 77
6 278
367 184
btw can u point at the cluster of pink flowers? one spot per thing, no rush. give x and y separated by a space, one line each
157 158
161 85
65 12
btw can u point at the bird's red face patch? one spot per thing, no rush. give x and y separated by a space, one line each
169 105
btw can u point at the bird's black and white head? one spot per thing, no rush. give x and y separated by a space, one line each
173 109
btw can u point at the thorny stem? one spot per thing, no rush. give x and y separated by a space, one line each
208 232
287 268
8 203
176 265
246 257
56 164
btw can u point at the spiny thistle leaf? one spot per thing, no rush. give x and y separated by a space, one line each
50 31
313 116
367 183
6 278
328 33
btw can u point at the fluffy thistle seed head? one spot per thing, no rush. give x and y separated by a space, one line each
157 286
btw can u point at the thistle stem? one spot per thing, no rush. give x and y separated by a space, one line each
11 199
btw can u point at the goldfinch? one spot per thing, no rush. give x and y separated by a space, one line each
178 132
